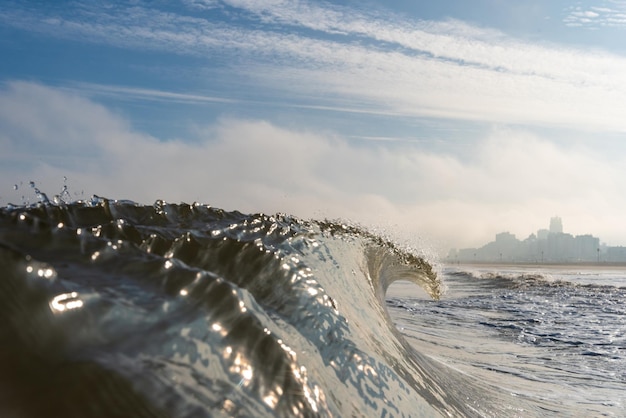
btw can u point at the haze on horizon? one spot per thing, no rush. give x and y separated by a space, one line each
440 124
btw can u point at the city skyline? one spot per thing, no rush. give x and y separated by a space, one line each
546 245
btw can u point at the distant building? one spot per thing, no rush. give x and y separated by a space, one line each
615 254
556 226
587 247
505 237
549 245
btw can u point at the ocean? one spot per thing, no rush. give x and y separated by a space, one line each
109 308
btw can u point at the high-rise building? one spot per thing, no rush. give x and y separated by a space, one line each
542 234
556 226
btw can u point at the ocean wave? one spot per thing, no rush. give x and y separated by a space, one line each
525 278
118 309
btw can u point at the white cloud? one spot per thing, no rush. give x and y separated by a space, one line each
202 4
143 94
594 17
513 180
377 63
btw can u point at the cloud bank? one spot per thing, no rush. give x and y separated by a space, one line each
513 180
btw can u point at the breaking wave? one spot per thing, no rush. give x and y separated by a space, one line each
111 308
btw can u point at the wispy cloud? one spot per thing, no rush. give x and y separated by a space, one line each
612 14
372 61
126 93
132 93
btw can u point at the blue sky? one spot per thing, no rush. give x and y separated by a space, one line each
448 121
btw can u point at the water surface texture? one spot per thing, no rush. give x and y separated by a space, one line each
111 308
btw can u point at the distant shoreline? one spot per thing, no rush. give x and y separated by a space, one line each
588 264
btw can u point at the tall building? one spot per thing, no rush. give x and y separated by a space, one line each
556 226
542 234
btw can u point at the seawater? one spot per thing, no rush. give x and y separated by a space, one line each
554 335
115 309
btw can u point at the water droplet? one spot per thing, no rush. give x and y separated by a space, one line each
66 302
43 198
15 187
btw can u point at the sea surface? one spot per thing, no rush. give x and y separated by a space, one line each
553 336
109 308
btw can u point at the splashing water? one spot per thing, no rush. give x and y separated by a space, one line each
111 308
